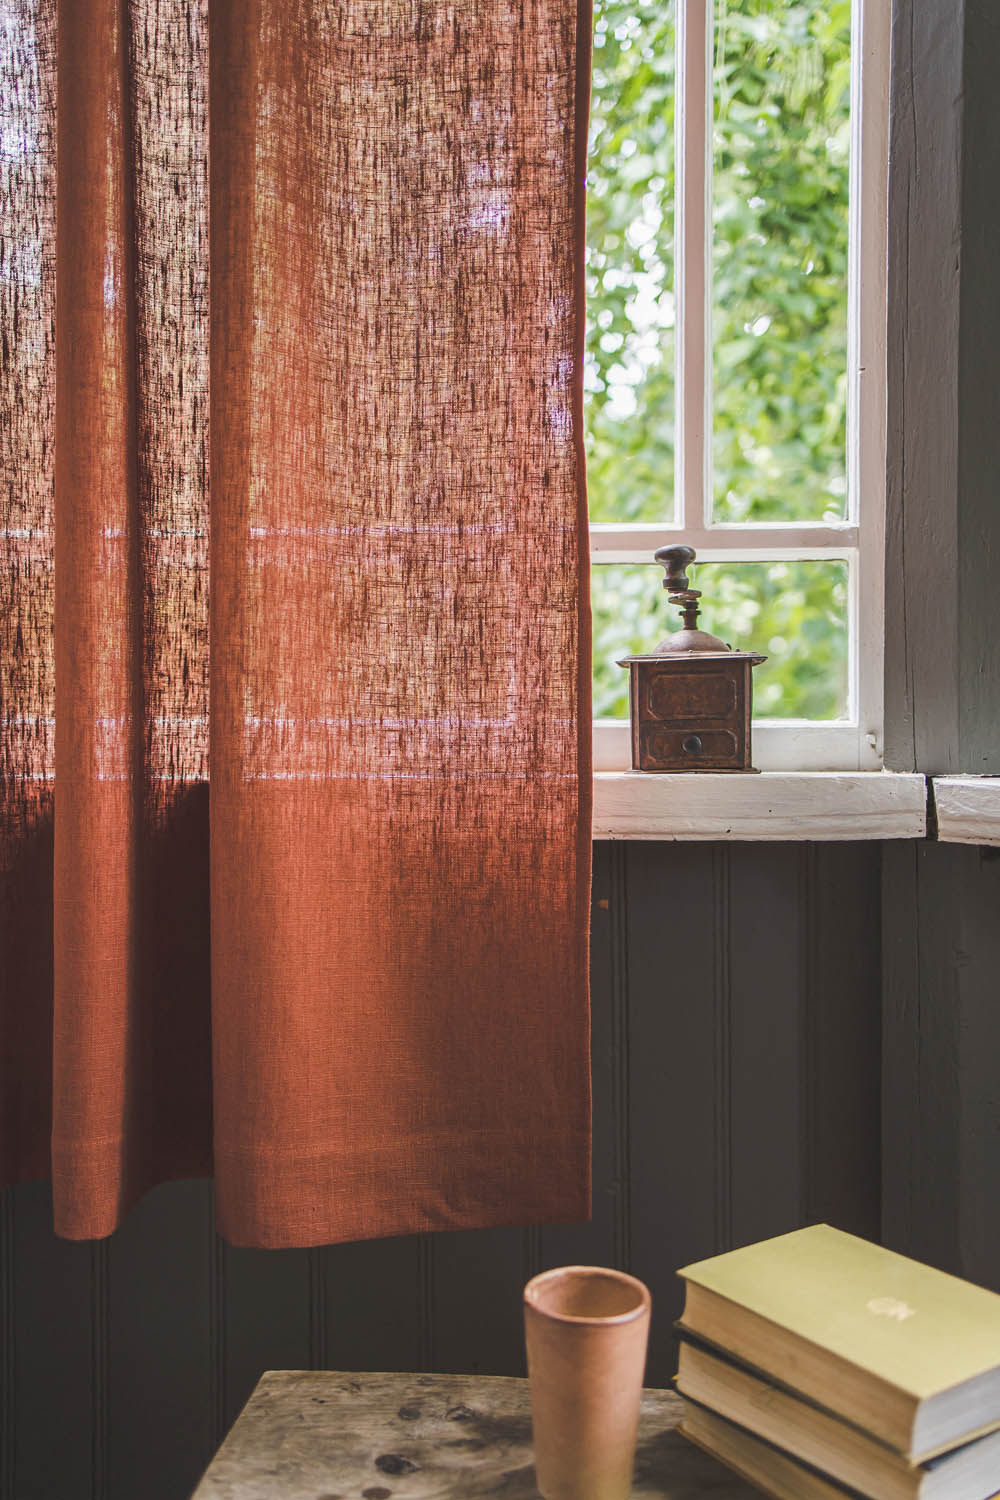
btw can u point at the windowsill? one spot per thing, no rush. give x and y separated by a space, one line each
792 745
771 805
967 809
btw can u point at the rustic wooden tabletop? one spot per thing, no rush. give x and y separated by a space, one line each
308 1435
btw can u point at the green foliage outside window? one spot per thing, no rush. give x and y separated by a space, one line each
781 138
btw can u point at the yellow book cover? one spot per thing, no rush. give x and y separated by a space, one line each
905 1351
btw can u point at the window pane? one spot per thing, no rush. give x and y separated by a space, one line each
781 146
630 263
795 613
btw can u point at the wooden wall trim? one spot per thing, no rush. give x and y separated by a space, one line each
979 396
942 680
967 809
924 285
774 807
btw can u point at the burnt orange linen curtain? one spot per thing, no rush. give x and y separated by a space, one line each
292 485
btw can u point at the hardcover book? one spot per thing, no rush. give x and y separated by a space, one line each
837 1449
903 1351
763 1465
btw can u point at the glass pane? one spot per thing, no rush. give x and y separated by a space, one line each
795 613
630 263
781 147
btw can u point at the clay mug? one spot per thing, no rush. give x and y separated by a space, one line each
586 1330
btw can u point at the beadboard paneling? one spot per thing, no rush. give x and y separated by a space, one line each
373 1313
679 1146
599 1241
842 938
941 1049
769 1007
265 1301
476 1309
58 1328
165 1347
736 1041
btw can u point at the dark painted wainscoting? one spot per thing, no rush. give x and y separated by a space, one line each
736 1091
941 1098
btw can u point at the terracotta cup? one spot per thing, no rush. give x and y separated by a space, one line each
586 1330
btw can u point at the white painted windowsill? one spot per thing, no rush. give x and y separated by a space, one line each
967 808
771 805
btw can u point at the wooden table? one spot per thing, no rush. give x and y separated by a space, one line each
307 1435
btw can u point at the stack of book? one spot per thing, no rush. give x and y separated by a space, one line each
817 1365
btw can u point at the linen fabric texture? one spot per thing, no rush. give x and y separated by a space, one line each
295 635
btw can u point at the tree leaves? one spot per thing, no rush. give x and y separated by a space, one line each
780 231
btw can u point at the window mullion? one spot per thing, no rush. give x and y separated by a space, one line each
693 262
866 417
763 543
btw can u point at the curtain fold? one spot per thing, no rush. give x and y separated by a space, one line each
296 647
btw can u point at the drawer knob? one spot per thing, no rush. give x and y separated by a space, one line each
692 745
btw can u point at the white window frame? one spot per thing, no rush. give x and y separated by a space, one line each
855 742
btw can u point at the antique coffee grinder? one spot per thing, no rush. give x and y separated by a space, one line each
691 699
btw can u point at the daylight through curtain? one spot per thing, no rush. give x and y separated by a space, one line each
290 441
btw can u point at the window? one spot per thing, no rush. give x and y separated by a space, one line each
736 352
